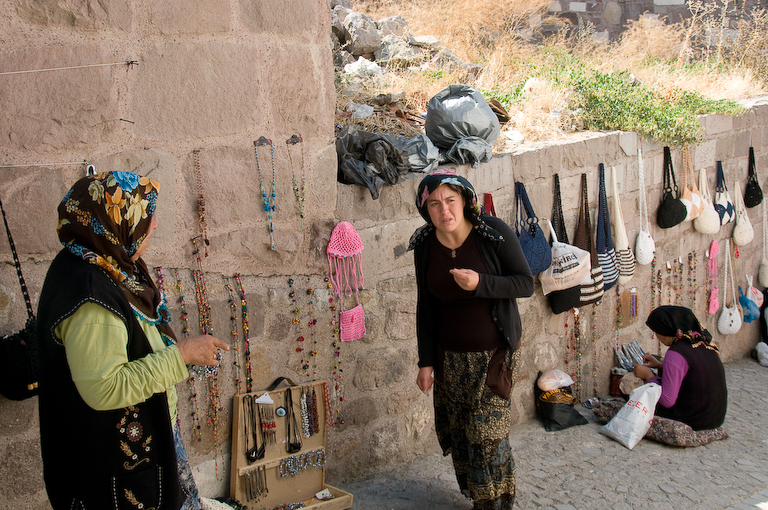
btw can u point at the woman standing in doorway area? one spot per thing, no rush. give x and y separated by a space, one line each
469 270
109 359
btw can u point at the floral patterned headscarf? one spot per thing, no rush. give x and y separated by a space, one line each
103 219
472 208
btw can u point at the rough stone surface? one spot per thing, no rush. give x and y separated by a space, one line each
210 16
363 35
82 15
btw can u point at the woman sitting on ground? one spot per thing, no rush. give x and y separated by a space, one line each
693 387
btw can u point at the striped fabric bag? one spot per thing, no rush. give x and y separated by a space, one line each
592 286
624 255
606 253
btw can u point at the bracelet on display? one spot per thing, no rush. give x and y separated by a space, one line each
295 464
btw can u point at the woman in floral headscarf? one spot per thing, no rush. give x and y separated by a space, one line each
109 360
469 271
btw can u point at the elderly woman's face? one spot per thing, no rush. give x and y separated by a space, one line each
446 208
141 250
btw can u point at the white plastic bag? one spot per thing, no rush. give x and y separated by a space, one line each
633 420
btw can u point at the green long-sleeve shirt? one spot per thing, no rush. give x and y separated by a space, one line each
95 341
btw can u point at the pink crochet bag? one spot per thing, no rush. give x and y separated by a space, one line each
714 302
345 262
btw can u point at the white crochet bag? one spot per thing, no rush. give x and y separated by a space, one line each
708 221
729 322
743 233
645 247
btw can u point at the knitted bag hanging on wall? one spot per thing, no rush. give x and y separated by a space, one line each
753 195
645 247
624 256
606 253
345 263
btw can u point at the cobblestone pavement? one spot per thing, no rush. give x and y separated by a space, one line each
581 469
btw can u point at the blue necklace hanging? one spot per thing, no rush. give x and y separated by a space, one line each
267 198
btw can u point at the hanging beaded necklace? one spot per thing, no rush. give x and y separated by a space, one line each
246 339
191 379
302 366
692 280
235 326
312 322
267 198
576 344
594 345
618 317
201 202
298 192
336 371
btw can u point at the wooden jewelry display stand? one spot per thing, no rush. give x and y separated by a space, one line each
279 477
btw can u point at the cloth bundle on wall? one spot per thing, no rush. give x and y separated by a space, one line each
645 247
345 261
537 251
753 195
672 211
624 255
606 253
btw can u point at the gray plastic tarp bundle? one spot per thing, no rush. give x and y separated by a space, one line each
460 122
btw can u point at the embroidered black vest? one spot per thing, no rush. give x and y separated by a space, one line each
703 397
118 459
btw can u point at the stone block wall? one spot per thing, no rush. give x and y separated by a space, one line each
210 79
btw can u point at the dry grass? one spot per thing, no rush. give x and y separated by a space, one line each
702 54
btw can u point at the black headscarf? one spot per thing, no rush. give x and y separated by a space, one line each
473 211
681 323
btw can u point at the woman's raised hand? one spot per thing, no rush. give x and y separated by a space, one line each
202 350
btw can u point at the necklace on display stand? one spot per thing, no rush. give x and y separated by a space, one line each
235 326
267 198
298 192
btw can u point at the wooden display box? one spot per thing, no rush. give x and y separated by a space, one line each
273 467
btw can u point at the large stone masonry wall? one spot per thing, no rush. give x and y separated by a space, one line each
215 77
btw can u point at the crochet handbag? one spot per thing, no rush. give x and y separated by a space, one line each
592 286
743 233
18 351
563 300
691 197
708 220
645 247
753 195
537 251
624 256
345 263
713 305
723 203
672 211
729 322
606 253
